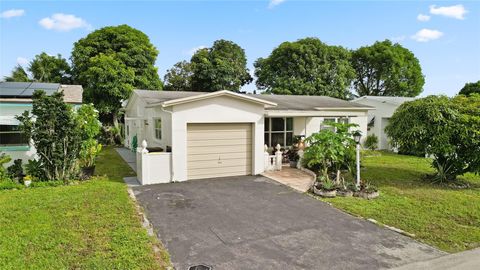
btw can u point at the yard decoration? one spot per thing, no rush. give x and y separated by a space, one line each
447 130
325 188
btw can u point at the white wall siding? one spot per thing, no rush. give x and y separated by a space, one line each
215 110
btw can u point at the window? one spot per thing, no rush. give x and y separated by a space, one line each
158 129
279 130
10 135
327 121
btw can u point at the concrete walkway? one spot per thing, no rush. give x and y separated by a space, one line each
467 260
129 157
294 178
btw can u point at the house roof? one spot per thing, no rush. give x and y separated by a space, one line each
21 92
390 100
282 102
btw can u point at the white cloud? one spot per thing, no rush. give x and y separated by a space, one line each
423 17
274 3
12 13
22 61
63 22
457 11
192 51
426 35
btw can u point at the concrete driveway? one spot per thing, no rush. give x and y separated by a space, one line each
253 222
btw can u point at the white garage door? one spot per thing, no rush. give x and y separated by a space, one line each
217 150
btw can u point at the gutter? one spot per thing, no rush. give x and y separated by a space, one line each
172 177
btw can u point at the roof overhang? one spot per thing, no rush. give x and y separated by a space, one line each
291 113
344 108
222 93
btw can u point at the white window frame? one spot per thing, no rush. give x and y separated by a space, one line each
157 132
284 131
336 120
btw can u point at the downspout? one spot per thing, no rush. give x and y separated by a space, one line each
172 177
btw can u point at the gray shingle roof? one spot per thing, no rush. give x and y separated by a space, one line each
284 102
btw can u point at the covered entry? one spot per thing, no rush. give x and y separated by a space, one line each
219 149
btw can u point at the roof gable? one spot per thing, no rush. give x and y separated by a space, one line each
221 93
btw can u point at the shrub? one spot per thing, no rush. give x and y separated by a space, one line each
329 151
89 125
446 129
371 142
9 184
55 134
4 159
15 171
35 170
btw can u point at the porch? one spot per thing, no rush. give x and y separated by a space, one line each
298 179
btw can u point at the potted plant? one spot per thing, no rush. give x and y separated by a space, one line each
367 191
293 157
88 155
325 188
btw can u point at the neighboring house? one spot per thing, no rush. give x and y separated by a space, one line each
15 98
224 133
378 119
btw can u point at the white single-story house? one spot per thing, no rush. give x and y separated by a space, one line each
224 133
378 119
15 98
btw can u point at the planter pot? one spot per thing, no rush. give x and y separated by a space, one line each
87 172
344 193
27 183
325 193
293 164
367 195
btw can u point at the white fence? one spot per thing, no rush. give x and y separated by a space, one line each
153 168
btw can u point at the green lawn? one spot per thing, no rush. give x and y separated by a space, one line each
90 225
446 218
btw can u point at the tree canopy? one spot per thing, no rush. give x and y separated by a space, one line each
109 81
306 67
470 88
125 44
52 69
179 77
18 75
386 69
221 67
446 129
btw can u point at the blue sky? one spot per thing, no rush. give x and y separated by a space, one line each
444 35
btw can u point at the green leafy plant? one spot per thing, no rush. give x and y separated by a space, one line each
54 130
35 170
368 187
446 129
327 184
4 159
15 171
371 142
87 118
329 151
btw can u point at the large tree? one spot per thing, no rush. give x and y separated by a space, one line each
179 77
221 67
470 88
47 68
109 81
124 43
18 75
386 69
306 67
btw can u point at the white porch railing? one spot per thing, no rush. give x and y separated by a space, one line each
273 162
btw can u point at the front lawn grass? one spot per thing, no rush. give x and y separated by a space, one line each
89 225
440 216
